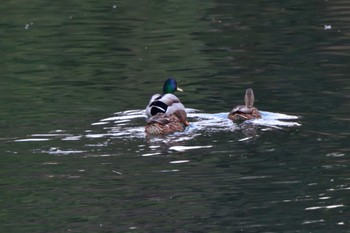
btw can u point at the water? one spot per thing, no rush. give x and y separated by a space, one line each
76 77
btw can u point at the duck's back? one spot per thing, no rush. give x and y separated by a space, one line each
167 103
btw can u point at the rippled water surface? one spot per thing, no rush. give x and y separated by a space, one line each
76 77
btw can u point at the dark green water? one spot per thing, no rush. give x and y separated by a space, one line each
68 66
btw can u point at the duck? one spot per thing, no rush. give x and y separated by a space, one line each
162 123
165 112
247 111
166 102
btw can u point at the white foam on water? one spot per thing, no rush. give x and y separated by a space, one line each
126 124
57 151
130 124
275 120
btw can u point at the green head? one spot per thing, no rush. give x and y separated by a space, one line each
170 86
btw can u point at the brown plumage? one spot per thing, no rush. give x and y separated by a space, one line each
163 123
247 111
165 111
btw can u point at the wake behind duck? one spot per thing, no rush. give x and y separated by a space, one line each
130 123
165 114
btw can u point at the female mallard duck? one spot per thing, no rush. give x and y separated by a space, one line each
247 111
165 111
161 123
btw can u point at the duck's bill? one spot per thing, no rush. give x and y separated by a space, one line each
179 89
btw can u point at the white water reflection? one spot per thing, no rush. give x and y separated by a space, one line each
324 207
32 140
130 124
184 148
57 151
179 161
123 124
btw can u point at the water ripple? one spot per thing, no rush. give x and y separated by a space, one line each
124 124
184 148
324 207
130 124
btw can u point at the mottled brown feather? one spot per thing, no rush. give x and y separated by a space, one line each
247 111
162 124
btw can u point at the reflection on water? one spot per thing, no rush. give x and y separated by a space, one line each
128 125
205 122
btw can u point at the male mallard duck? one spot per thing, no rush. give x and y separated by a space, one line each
161 123
247 111
165 111
166 102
